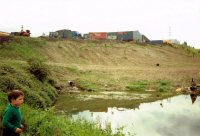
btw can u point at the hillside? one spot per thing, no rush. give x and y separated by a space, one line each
42 69
123 62
109 62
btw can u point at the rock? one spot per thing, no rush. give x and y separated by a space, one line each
179 90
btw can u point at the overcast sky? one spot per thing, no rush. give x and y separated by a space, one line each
157 19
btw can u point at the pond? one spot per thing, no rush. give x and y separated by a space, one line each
175 116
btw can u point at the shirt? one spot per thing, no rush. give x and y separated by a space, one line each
12 118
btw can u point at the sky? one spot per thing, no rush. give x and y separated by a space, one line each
157 19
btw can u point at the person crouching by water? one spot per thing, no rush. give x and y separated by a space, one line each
193 85
12 120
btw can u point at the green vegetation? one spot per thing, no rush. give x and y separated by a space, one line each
163 86
190 50
40 94
46 122
22 67
21 48
142 86
138 86
89 86
38 67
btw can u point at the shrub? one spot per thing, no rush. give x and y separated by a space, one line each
5 69
51 92
38 69
8 83
52 82
35 100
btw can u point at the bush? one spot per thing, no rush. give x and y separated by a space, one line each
35 100
38 69
5 69
52 82
50 92
8 83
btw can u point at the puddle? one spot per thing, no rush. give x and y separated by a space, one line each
176 116
75 102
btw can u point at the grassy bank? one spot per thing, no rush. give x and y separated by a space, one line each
23 66
43 68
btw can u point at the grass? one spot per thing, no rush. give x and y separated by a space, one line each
46 122
107 66
163 86
23 49
143 86
42 94
89 85
140 86
17 73
95 66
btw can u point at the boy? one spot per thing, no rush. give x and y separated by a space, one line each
12 120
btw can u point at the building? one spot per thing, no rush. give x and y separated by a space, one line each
156 42
112 36
86 36
145 39
53 34
98 35
130 36
64 33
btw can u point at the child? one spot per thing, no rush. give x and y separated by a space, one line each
12 120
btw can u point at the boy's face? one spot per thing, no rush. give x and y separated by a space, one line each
18 102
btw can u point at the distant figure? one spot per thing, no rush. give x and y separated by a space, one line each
71 83
157 64
193 85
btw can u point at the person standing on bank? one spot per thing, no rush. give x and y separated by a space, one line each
12 120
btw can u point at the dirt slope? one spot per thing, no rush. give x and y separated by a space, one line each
120 61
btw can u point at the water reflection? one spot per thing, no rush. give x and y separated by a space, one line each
193 97
176 116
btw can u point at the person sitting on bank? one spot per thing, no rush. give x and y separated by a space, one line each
193 85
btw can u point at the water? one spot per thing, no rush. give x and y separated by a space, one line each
176 116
